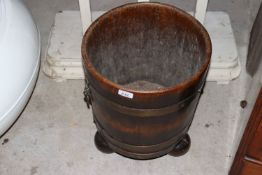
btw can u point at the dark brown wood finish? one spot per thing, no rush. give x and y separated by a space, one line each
251 168
153 122
161 97
255 148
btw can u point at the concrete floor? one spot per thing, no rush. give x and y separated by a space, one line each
54 134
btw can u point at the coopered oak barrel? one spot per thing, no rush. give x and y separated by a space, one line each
145 66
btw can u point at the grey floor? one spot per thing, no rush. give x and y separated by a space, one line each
54 134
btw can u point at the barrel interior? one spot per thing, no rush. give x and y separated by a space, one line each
146 47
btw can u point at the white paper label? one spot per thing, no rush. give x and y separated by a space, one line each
125 94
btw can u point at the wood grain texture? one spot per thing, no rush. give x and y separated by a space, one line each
151 42
255 148
251 168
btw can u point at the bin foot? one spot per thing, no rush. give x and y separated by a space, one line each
181 147
101 144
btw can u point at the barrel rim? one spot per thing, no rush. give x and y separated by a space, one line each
172 89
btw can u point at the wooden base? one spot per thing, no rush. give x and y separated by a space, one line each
101 144
182 147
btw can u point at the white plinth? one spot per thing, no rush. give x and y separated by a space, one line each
63 57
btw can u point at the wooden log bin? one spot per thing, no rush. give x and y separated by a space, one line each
145 66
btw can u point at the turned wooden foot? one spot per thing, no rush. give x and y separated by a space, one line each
181 147
101 144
